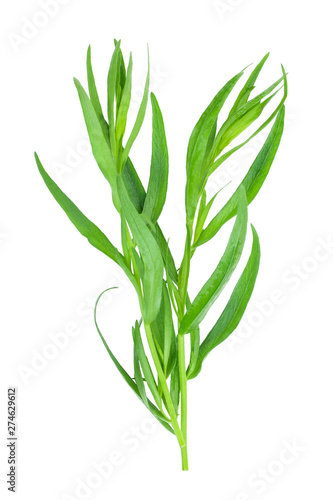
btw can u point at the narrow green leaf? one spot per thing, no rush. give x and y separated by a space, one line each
161 417
195 345
172 289
169 332
125 241
111 84
175 387
148 222
219 278
137 195
87 228
124 103
166 253
100 148
146 369
150 253
249 86
94 97
133 186
173 357
159 167
252 181
157 328
201 216
163 325
121 370
184 269
197 146
137 264
226 155
120 75
235 308
211 138
203 213
239 121
138 376
138 121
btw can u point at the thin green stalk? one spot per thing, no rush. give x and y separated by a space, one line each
183 396
184 270
164 386
183 285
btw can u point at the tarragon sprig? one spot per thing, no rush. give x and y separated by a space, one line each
159 377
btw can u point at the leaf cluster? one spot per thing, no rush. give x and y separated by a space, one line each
167 312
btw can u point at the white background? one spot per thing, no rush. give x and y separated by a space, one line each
269 389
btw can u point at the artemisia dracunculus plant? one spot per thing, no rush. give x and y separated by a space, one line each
168 313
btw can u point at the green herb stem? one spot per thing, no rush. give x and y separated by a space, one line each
164 386
183 285
183 396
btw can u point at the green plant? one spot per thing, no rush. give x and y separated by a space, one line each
167 312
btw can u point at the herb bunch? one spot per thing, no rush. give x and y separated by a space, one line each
159 377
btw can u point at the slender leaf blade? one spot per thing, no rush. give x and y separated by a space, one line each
221 275
226 155
249 86
195 345
137 195
159 167
133 186
94 98
120 75
240 121
146 368
151 407
252 181
162 327
99 145
138 378
235 308
87 228
175 387
138 122
111 85
124 102
203 213
197 146
150 253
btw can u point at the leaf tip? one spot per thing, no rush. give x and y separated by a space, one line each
242 72
254 232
